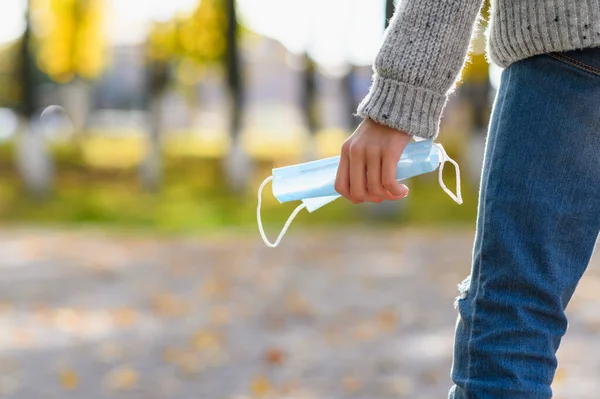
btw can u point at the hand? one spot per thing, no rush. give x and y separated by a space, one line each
368 163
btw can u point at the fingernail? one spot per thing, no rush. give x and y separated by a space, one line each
404 189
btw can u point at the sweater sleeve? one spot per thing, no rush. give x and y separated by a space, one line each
423 51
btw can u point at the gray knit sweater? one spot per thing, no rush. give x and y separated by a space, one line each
426 44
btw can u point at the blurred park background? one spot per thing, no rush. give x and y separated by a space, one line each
133 137
167 115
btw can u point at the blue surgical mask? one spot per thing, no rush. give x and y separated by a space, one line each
313 182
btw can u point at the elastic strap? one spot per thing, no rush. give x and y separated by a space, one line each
259 219
458 197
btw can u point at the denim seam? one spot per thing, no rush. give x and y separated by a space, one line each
575 63
478 287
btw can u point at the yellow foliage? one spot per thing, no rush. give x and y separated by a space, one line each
69 38
191 41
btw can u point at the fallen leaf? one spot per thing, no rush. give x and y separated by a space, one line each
214 289
388 320
559 376
124 317
166 304
365 331
296 304
69 320
220 315
274 356
350 384
260 386
203 339
123 378
69 379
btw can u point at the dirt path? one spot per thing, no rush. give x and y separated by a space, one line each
328 315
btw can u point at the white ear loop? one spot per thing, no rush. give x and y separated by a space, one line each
259 219
458 197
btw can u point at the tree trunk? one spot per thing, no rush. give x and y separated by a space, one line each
389 11
237 164
152 165
234 72
309 95
349 99
31 155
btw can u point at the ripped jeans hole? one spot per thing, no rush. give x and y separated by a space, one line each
463 290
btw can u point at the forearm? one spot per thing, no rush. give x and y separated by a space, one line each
423 51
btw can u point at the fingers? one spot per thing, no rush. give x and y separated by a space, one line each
390 159
358 174
368 163
342 179
374 175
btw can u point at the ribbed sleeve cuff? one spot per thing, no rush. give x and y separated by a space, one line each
414 110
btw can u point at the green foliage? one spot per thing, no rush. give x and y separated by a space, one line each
194 198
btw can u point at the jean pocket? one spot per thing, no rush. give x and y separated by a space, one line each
587 60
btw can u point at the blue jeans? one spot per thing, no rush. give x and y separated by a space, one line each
537 225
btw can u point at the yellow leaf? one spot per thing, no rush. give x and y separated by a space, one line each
124 317
260 386
165 304
122 379
560 376
68 379
203 340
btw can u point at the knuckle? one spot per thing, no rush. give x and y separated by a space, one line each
346 147
356 148
339 187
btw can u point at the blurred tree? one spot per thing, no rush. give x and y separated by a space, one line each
178 51
161 49
69 38
32 158
308 104
237 164
349 97
70 48
10 56
309 93
234 70
390 7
